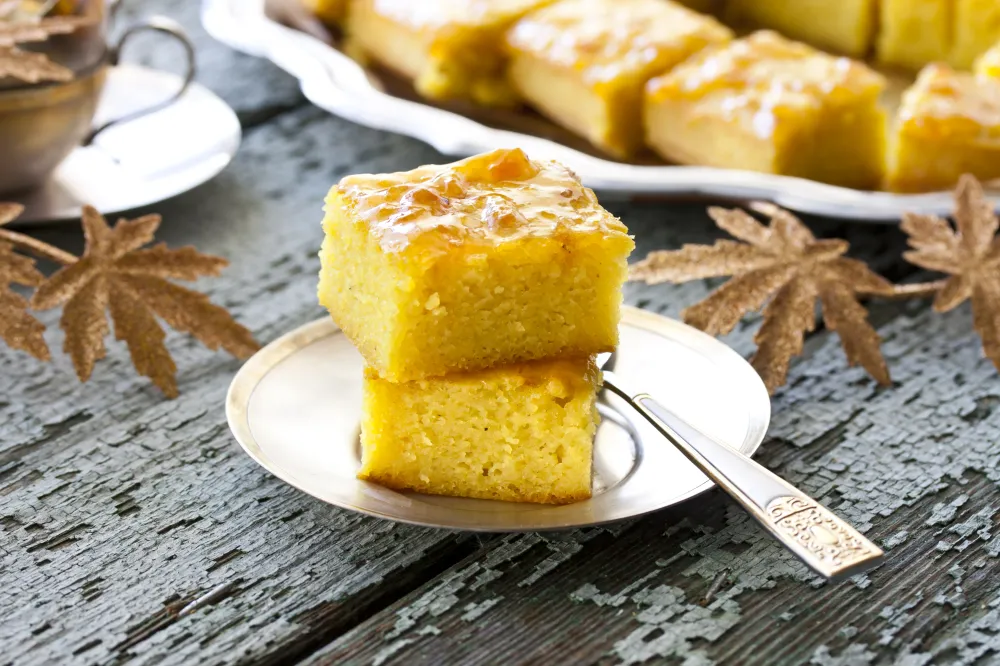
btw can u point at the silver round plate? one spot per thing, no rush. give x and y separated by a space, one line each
294 408
142 161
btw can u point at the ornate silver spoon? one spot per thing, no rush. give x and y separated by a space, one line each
819 538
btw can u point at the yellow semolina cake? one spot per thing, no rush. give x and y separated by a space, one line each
913 33
519 433
583 63
948 124
988 64
491 260
976 29
330 12
764 103
844 26
450 49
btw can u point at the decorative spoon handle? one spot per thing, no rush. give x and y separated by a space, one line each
815 534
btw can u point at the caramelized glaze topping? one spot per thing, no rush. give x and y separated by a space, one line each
763 75
945 100
608 39
438 14
486 199
988 64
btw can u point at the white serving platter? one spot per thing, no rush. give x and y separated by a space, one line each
336 83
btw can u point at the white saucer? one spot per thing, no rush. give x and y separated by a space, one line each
294 407
145 160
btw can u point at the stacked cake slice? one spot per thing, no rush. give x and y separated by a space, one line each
478 294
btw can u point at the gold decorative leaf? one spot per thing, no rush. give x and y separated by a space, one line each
22 32
130 283
782 268
136 325
9 212
787 318
18 328
31 67
969 252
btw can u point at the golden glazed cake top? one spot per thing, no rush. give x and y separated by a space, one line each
944 102
608 39
488 199
440 14
764 74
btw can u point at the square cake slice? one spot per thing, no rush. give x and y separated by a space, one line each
521 433
491 260
583 63
948 124
764 103
976 29
913 33
845 26
450 49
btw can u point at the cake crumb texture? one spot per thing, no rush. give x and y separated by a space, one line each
521 433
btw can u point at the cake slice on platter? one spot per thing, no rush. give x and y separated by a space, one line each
765 103
450 49
845 26
948 124
583 63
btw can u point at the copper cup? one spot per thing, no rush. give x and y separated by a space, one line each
41 124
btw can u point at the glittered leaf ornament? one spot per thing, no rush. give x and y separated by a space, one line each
22 32
18 328
29 66
970 253
116 276
784 270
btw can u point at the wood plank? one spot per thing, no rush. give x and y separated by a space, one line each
134 530
915 466
121 510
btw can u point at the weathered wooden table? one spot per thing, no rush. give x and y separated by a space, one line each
134 530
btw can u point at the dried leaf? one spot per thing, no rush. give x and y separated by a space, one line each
787 318
9 212
783 268
21 32
843 314
31 67
986 316
970 253
137 326
115 276
692 262
85 325
722 310
184 263
18 328
193 313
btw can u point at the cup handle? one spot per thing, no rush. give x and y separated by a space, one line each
170 28
112 8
